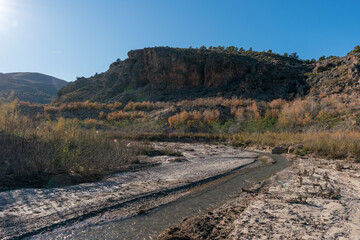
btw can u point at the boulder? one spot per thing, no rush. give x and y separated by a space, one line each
278 150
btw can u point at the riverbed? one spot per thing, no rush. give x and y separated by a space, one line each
194 201
27 212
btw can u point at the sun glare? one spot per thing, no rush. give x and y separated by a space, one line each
7 15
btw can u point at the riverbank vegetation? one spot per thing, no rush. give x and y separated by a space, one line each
34 150
88 139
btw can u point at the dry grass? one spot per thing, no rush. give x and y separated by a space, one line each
87 105
194 118
31 151
338 145
299 124
121 115
146 105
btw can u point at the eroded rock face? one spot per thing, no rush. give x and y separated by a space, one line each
335 76
163 73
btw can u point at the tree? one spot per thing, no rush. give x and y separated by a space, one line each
322 58
294 55
269 51
202 47
250 49
355 50
231 49
286 54
309 61
220 48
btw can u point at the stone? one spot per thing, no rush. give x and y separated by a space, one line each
278 150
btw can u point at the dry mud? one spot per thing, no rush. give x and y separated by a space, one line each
312 199
24 212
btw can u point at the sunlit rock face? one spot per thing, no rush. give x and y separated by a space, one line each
164 73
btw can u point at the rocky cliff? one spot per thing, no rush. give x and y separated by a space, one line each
164 73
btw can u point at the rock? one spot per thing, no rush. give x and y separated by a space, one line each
335 75
178 159
278 150
163 73
291 149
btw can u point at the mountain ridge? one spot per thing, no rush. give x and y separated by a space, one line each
30 86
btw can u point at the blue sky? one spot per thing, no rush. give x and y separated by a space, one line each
70 38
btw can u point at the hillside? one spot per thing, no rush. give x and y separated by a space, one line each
335 75
32 87
163 74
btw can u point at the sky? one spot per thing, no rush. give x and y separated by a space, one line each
74 38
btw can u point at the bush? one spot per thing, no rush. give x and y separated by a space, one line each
355 50
32 151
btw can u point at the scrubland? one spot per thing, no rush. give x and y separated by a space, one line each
89 139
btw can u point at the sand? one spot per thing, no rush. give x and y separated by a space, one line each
24 212
312 199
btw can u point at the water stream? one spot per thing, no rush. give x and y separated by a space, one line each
150 225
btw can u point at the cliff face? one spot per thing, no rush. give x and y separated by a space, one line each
172 74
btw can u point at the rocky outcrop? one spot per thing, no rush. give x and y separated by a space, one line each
335 75
164 73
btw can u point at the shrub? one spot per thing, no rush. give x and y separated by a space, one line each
298 112
211 116
33 151
120 115
294 55
132 106
322 58
355 50
231 49
254 108
102 115
239 113
277 103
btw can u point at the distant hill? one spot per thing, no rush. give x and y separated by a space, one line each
32 87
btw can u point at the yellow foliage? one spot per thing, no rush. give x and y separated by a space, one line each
277 103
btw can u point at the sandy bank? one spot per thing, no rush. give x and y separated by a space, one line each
26 211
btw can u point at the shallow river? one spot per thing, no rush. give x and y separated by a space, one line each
150 225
